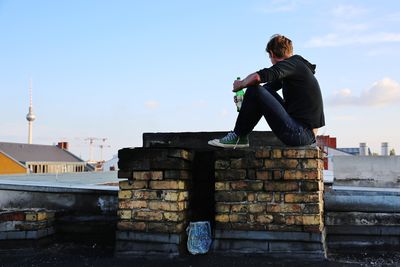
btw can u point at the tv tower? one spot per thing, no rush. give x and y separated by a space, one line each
30 117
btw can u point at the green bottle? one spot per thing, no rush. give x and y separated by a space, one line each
238 98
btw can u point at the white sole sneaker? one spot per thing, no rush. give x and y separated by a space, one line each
217 143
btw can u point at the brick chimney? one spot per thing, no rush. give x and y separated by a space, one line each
63 145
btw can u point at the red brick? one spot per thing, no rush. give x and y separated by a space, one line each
264 175
12 216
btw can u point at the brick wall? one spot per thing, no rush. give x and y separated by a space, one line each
267 199
272 197
153 201
23 224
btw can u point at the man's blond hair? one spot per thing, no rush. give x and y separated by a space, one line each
280 45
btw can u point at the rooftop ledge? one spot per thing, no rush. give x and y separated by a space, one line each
198 140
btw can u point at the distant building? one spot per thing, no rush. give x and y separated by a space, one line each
357 151
111 165
328 146
27 158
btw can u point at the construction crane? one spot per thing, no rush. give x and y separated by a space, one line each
92 140
101 148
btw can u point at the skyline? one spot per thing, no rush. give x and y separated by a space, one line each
118 70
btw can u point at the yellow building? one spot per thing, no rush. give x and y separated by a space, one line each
27 158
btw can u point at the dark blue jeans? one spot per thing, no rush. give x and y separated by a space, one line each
263 101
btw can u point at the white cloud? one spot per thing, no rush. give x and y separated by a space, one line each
278 6
346 27
356 25
381 93
151 104
337 39
349 11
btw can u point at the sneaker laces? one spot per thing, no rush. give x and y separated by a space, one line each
230 137
236 142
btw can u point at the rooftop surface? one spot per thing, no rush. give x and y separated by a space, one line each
64 181
92 254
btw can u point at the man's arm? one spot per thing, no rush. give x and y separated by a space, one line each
275 85
252 79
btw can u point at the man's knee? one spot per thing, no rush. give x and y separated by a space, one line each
253 90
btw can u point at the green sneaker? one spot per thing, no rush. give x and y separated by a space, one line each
231 140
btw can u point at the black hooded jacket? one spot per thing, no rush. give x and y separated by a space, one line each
300 89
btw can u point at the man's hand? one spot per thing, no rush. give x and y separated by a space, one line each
252 79
237 85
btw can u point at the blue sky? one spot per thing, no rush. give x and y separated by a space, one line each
117 69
